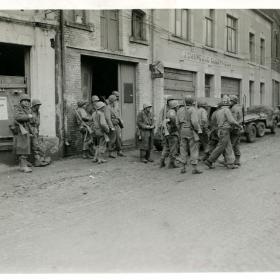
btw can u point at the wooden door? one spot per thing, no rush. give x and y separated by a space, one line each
127 101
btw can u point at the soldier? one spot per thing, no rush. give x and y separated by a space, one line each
101 129
203 122
115 124
189 130
225 121
94 100
235 134
40 158
84 122
146 125
171 136
23 132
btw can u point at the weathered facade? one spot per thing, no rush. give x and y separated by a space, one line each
144 54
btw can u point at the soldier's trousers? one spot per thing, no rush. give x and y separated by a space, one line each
235 142
87 141
170 147
100 147
191 145
115 140
35 145
223 146
204 139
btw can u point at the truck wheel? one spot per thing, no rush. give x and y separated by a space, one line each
260 129
273 128
251 133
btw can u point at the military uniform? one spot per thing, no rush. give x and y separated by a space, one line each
23 132
189 129
84 121
101 129
225 121
115 123
145 123
235 134
203 122
171 141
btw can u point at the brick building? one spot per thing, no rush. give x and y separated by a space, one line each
144 54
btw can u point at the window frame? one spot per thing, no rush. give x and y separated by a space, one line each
141 22
252 47
187 27
262 51
233 33
209 19
262 93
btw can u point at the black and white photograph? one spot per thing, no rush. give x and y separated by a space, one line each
139 139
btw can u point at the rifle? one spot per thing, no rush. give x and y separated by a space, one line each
89 129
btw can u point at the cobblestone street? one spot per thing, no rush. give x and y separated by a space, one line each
126 216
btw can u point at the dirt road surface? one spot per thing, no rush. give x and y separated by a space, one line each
126 216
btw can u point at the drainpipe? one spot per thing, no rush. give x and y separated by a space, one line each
62 107
152 56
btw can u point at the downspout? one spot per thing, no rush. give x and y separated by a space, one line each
62 45
152 56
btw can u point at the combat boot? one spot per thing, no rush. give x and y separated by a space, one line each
209 164
120 154
111 155
28 163
148 156
183 169
237 161
196 170
232 166
84 155
142 156
162 163
48 160
23 165
172 164
39 161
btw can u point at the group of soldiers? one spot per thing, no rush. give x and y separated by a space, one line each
26 131
100 124
186 129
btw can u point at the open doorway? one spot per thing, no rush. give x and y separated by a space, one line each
99 77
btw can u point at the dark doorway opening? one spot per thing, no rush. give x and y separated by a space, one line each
12 59
103 75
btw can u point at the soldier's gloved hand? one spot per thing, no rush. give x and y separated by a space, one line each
30 116
113 129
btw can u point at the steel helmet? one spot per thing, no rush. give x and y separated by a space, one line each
100 105
189 100
116 93
24 97
95 98
226 101
233 98
112 98
202 104
173 104
147 105
81 103
35 102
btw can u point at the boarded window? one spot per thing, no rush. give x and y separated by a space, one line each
110 29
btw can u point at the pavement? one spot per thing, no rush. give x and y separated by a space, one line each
126 216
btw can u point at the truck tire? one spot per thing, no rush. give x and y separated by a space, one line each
260 129
251 133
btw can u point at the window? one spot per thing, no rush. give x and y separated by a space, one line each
252 47
231 34
209 20
262 93
262 52
251 93
208 85
110 29
138 25
181 23
79 16
276 43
